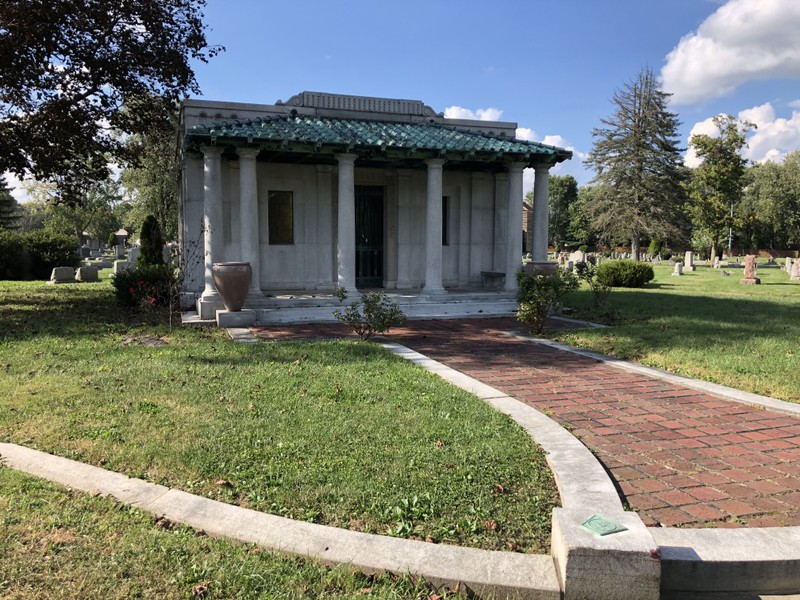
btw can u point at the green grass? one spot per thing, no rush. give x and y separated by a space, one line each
340 433
705 326
62 544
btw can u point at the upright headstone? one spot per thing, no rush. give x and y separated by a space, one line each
119 251
577 256
716 262
788 266
678 269
62 275
561 259
750 271
795 274
133 254
87 274
688 263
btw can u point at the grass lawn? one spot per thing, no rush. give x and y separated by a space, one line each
704 325
341 433
61 544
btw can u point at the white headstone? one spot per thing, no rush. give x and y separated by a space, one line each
577 256
87 274
62 275
688 262
716 262
134 253
788 266
678 269
795 274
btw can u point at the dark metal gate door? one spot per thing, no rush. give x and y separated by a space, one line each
369 236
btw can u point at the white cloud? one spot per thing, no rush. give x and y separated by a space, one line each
482 114
743 40
773 138
526 133
794 104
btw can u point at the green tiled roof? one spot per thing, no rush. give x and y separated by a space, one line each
351 135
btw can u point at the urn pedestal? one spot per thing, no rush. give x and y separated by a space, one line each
232 280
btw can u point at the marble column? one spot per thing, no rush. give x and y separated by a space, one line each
541 199
346 224
514 225
248 215
433 228
212 223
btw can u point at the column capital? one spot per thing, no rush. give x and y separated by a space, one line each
542 167
346 158
248 152
435 162
515 167
212 150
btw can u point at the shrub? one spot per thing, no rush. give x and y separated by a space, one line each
624 273
583 248
374 313
539 295
112 240
146 285
152 243
14 259
48 250
587 271
654 248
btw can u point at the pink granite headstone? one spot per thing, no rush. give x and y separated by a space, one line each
750 271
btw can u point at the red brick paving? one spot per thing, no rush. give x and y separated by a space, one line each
679 456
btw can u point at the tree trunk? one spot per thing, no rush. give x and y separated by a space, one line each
636 247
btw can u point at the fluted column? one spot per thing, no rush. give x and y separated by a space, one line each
248 215
514 225
212 215
433 228
346 224
541 199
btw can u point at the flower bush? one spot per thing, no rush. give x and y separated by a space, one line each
146 285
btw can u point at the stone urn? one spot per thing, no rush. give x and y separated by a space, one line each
232 280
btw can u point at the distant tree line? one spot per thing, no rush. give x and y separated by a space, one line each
642 195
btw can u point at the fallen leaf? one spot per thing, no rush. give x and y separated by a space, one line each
224 482
491 525
200 590
366 590
439 443
498 487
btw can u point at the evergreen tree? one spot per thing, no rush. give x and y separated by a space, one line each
9 210
716 185
152 243
637 162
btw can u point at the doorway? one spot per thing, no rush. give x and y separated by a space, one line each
369 236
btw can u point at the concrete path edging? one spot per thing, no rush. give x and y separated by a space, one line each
508 574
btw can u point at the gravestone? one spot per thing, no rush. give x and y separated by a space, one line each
716 262
577 256
95 254
569 266
122 265
788 265
62 275
750 271
87 274
678 269
795 274
85 251
133 254
688 263
561 259
119 251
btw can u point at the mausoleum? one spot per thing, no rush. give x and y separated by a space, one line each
324 191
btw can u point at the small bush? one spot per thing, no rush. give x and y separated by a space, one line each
587 271
583 248
14 260
145 285
374 313
112 240
48 250
624 273
654 248
152 243
539 295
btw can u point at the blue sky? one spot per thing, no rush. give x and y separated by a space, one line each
552 67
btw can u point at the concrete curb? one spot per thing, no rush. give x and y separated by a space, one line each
482 571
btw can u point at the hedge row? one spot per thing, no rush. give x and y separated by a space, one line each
34 254
624 273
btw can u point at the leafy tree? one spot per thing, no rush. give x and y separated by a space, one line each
94 213
638 166
68 68
716 185
9 210
563 192
769 213
152 183
579 228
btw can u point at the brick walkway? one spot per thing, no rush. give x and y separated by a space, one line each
678 456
